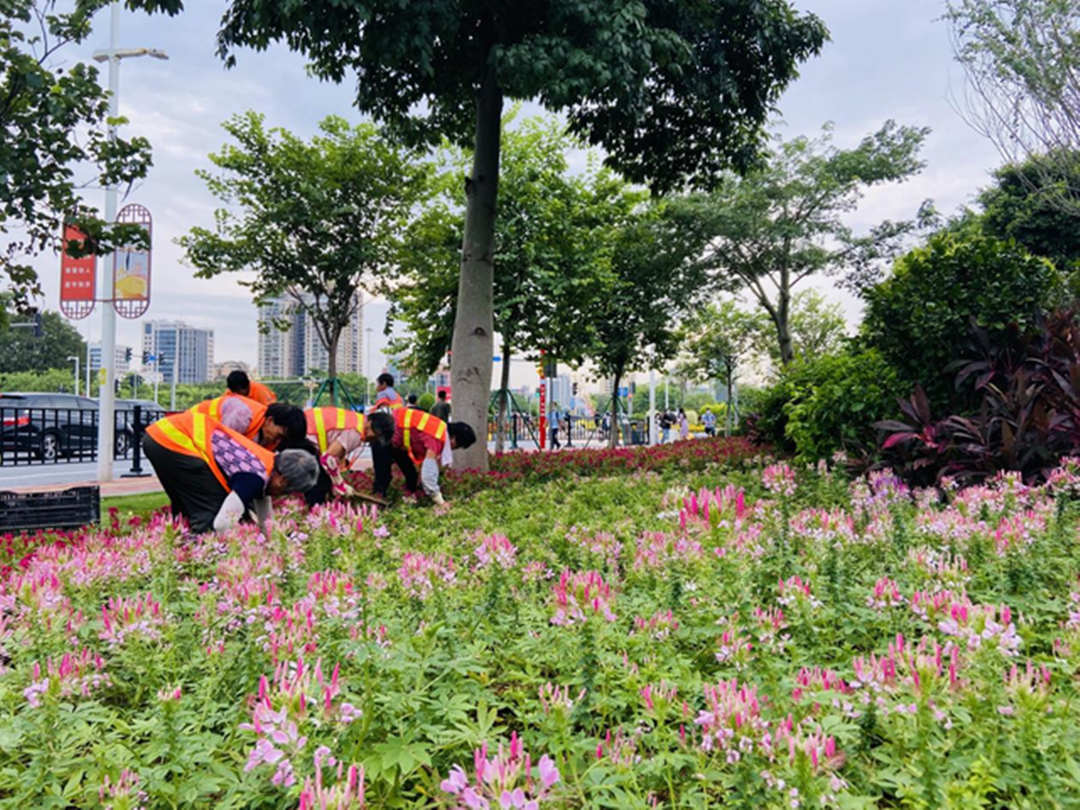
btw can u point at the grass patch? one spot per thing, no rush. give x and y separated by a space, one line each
129 506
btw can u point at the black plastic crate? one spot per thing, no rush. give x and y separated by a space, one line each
64 509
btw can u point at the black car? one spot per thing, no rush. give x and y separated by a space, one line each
52 426
47 426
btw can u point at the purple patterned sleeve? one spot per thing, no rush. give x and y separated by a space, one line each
232 457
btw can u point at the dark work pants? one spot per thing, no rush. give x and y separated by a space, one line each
382 456
193 490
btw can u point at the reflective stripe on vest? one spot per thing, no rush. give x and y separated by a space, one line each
191 434
319 420
410 419
212 408
383 401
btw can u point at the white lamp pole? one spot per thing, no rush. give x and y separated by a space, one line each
106 395
75 357
652 407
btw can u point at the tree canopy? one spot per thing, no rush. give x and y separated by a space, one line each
673 91
20 350
784 222
315 221
53 124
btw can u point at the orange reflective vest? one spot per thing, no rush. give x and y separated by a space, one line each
212 408
190 433
260 393
320 420
385 400
410 419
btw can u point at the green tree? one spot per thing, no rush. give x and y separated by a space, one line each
549 249
1021 206
673 91
635 312
53 124
1022 62
21 350
783 223
718 339
817 327
315 221
920 318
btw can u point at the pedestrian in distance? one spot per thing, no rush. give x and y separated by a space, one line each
684 425
441 408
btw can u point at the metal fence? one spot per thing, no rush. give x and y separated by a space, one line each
62 435
578 431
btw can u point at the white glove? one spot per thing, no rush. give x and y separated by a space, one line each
230 513
429 476
438 499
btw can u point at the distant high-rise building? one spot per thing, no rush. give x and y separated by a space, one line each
226 367
186 348
298 351
122 359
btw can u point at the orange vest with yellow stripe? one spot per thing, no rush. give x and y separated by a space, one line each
212 408
384 400
410 419
190 433
320 420
261 394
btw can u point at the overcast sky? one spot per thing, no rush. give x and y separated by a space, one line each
887 59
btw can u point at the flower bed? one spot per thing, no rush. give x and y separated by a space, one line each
716 638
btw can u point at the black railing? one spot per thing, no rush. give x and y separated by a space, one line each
64 435
581 431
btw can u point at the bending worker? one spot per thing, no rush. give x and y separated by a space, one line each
269 425
337 432
426 440
238 382
214 476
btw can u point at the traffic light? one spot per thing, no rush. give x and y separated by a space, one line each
37 324
127 355
573 389
145 358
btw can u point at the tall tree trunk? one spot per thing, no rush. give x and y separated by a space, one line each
504 387
473 325
730 409
613 437
783 327
331 364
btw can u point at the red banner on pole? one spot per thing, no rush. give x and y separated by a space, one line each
543 409
77 278
131 267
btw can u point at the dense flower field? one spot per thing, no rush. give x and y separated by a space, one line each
731 636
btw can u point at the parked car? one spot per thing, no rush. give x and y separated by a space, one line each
51 426
47 426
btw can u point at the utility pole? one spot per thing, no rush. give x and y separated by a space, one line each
107 392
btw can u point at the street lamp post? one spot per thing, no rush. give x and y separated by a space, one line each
75 357
367 365
106 394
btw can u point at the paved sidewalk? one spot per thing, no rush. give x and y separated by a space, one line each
121 486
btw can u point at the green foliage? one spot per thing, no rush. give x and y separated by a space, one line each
316 221
1021 205
834 400
53 124
20 350
920 318
425 401
786 221
551 250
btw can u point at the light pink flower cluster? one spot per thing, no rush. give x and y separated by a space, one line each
659 626
557 698
620 748
796 591
123 794
346 794
505 781
1028 687
136 616
979 624
1018 531
79 673
603 545
579 594
824 525
495 549
724 506
816 679
885 595
732 720
657 696
420 574
779 479
657 549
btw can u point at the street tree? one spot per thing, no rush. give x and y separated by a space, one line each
549 248
674 92
1022 205
775 227
1022 63
315 221
53 125
717 340
22 350
635 313
817 327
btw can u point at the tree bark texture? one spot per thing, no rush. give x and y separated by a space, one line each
470 361
613 436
